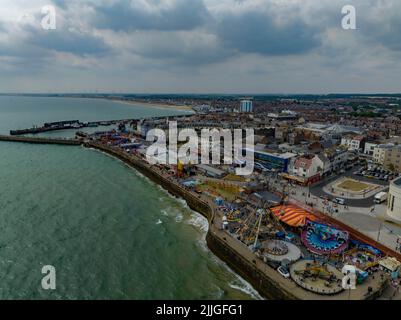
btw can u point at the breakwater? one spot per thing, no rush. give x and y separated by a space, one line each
24 139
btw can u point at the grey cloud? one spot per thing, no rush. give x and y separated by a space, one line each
69 41
123 15
206 44
254 32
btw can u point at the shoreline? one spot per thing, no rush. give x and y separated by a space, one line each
155 105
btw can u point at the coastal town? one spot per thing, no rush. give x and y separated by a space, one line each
323 203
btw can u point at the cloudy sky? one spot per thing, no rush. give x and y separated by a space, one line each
200 46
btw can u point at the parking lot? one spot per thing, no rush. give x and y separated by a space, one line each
376 173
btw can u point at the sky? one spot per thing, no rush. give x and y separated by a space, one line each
200 46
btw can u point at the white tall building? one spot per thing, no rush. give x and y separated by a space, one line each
394 201
246 106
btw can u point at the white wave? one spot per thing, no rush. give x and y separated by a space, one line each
159 222
164 212
219 293
179 217
183 203
199 221
246 288
243 285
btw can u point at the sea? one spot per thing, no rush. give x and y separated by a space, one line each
108 231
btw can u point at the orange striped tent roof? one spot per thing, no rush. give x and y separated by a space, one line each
292 215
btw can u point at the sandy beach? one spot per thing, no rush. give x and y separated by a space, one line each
154 104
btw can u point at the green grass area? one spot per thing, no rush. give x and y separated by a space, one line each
353 185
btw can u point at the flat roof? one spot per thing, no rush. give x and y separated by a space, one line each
286 155
397 182
211 169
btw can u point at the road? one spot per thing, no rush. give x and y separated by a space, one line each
317 190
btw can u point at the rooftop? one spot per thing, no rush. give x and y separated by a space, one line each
397 182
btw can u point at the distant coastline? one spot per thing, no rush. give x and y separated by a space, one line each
157 105
149 103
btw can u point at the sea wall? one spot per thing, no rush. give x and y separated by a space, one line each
71 142
264 284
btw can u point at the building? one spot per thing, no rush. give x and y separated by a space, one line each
370 148
281 132
389 156
394 201
325 163
317 131
246 106
275 161
353 143
211 171
308 168
283 116
337 157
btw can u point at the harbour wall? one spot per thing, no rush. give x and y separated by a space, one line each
71 142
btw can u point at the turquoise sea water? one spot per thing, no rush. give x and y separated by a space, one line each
109 232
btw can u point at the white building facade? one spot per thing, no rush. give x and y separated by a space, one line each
353 143
394 201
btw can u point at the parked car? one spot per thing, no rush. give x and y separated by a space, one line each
339 201
283 271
